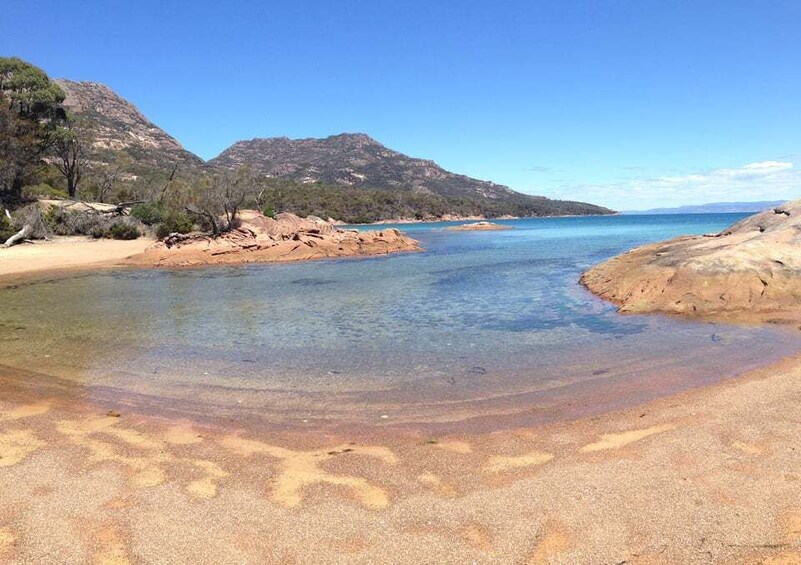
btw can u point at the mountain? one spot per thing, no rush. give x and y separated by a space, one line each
351 175
119 127
715 208
352 159
356 160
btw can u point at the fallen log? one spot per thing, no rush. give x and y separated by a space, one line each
18 237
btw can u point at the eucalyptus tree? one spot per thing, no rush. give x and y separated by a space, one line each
30 114
219 197
70 153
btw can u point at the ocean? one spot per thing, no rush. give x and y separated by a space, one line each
481 329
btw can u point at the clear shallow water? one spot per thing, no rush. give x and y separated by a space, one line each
481 323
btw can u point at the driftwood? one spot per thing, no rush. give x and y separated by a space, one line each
177 238
241 237
18 237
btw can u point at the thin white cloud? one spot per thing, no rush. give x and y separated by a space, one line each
764 180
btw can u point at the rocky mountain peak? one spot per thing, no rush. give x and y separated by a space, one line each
352 159
122 134
118 125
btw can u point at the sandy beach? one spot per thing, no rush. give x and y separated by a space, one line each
706 476
66 253
709 475
260 240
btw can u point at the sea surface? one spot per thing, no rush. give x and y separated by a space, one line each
482 327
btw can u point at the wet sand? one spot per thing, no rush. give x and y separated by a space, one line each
66 253
706 476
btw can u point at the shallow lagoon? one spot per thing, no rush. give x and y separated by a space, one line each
482 324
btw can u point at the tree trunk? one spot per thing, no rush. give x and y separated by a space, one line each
17 237
15 194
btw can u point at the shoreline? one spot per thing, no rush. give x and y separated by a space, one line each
65 254
748 273
27 386
276 411
578 491
402 221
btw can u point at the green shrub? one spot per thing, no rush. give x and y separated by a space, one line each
162 231
120 229
174 222
52 216
6 230
268 211
149 213
43 190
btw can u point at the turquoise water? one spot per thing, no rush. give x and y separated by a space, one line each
480 323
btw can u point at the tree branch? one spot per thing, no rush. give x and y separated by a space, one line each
209 216
167 184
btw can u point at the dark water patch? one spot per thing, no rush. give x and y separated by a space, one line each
312 282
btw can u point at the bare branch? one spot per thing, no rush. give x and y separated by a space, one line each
167 184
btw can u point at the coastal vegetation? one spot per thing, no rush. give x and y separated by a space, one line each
31 116
364 205
63 142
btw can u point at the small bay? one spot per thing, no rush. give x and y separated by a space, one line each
480 324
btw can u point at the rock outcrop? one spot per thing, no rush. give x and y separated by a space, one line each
749 272
262 240
479 226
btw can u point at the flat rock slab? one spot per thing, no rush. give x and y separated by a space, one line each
749 272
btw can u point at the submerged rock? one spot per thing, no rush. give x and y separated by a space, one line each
479 226
749 272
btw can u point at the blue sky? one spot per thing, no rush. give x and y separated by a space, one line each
631 104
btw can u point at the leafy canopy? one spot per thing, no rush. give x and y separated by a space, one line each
28 90
30 113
